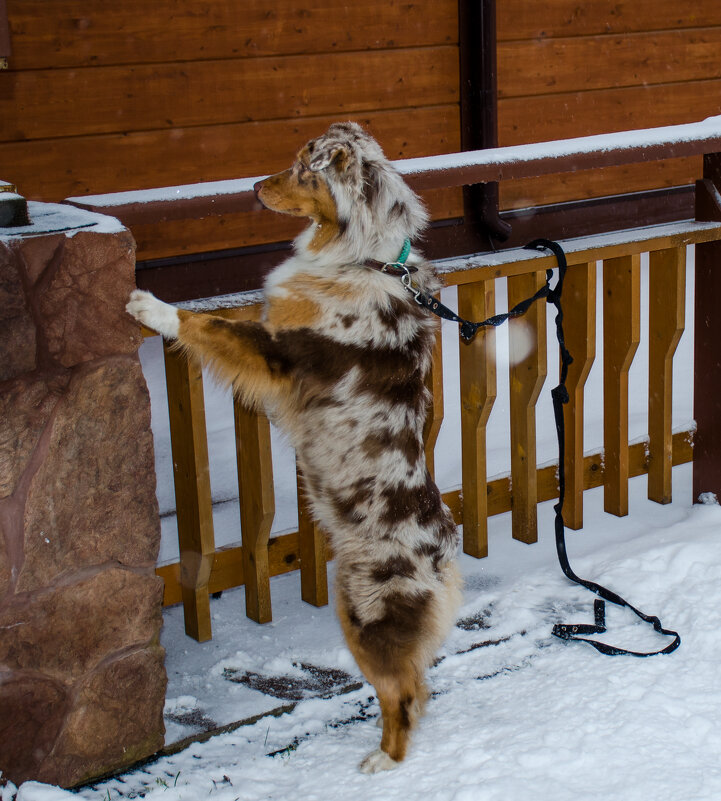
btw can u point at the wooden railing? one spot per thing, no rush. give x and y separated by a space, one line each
202 570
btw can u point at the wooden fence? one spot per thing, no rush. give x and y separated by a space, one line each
202 570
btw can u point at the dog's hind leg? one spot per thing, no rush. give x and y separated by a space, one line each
401 701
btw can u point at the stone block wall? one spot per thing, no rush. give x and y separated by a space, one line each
82 679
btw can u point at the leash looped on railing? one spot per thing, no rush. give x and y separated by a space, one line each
468 329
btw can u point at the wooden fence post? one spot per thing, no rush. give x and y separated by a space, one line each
667 305
191 475
707 338
313 556
434 415
579 324
621 335
528 356
478 392
257 507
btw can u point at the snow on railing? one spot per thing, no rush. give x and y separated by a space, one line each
194 201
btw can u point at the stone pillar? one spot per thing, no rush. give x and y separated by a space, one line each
82 679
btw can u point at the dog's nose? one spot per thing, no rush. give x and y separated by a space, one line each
258 202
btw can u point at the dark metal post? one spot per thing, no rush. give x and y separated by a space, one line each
479 112
707 338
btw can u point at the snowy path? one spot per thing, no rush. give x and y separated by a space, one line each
527 717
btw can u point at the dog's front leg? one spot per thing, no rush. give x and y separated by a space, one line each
154 313
242 353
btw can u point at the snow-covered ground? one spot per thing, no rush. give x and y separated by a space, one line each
515 713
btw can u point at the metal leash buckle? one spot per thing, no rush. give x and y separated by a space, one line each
408 284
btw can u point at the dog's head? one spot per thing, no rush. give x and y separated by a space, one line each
360 206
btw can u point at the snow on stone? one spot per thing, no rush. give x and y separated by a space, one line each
50 217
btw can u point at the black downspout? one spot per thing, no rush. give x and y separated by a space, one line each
479 114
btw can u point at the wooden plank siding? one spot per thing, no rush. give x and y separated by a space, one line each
68 33
567 69
106 97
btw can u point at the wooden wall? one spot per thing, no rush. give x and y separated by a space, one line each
103 97
570 68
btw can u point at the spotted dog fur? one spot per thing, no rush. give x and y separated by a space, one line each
339 361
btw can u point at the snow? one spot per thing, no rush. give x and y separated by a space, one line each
526 717
561 148
515 713
165 193
556 149
51 217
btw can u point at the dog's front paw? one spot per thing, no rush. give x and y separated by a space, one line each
148 310
377 761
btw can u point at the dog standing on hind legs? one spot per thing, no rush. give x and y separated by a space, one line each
339 361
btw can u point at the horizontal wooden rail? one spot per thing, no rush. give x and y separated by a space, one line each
195 201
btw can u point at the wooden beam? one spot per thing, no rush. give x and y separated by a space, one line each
478 393
621 335
528 367
667 307
191 476
579 325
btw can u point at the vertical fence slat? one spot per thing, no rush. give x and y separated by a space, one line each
191 475
579 325
621 335
528 356
667 284
257 507
434 415
478 392
313 556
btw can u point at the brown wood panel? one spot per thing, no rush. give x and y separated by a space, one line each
191 477
477 369
621 335
545 66
667 305
238 230
585 184
579 324
519 19
528 359
55 169
569 114
75 33
39 104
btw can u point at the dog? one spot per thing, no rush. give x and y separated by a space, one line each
339 361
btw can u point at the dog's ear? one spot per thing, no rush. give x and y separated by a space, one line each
336 154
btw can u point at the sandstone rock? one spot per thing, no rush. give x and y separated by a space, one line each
32 710
17 330
25 407
40 254
5 566
68 631
93 499
82 303
117 719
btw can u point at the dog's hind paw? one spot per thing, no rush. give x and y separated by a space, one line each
148 310
377 761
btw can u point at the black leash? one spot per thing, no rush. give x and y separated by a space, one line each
564 631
